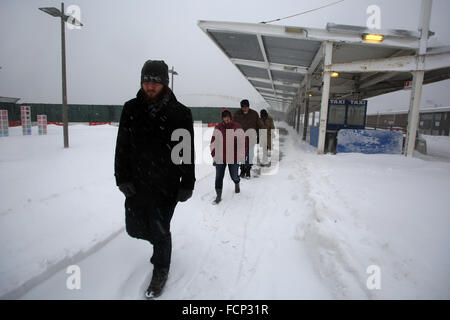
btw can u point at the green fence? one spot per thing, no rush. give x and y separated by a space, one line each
96 113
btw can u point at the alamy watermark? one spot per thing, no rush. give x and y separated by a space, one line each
74 12
73 281
374 19
374 280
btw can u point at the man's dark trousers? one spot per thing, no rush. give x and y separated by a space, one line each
148 218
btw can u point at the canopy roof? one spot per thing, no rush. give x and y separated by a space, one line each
275 59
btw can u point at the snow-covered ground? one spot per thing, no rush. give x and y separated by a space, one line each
307 230
438 146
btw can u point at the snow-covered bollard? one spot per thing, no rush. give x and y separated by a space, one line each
42 124
4 130
25 116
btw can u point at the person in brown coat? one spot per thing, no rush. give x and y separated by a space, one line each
248 119
269 125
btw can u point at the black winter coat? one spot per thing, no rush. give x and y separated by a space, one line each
144 146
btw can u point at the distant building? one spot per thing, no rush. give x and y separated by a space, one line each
435 121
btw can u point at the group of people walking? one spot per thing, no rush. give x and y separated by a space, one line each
152 179
244 127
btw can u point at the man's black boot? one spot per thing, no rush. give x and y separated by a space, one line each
158 282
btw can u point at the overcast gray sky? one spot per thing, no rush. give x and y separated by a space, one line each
105 57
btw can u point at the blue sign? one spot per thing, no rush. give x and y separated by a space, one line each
369 141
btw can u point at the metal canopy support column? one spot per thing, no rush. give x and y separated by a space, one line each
299 108
294 117
306 119
294 114
291 115
325 96
418 75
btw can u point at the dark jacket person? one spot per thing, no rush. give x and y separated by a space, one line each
145 172
269 124
248 119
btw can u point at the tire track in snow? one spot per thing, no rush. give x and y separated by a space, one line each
57 267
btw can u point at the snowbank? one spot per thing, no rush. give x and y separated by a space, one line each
56 203
438 146
384 210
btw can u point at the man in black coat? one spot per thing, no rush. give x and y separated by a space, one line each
147 168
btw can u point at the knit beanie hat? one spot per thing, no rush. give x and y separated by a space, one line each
155 71
245 103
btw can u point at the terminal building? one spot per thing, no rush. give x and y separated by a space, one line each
435 121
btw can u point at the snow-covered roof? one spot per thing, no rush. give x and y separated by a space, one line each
8 100
422 110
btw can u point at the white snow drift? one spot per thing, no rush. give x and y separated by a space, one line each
310 231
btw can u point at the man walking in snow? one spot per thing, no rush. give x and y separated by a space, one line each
227 148
269 125
145 169
249 120
267 141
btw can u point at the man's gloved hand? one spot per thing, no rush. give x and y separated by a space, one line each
127 189
184 194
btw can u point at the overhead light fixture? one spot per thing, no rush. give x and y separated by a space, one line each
335 75
372 37
51 11
289 68
294 30
310 95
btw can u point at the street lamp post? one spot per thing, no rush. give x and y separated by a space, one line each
173 72
64 18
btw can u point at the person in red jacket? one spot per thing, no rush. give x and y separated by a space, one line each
227 148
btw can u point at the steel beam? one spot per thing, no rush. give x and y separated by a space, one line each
325 96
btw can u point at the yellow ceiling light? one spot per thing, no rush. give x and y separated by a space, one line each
294 30
335 75
310 95
289 68
372 37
